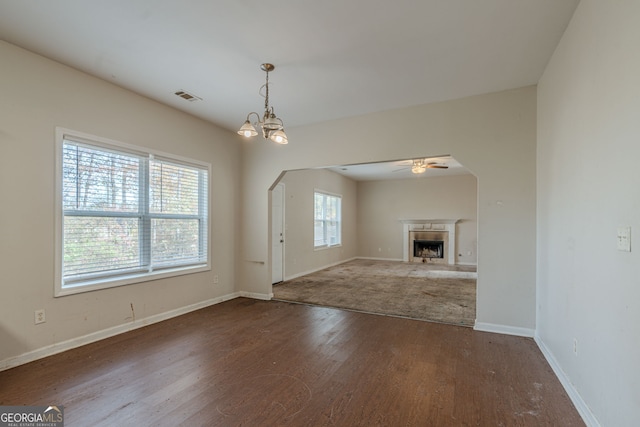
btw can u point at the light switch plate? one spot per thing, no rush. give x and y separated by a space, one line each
624 239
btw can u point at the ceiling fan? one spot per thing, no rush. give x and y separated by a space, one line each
419 166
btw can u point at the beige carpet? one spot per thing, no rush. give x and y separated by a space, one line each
438 293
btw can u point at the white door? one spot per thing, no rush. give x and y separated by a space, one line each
277 234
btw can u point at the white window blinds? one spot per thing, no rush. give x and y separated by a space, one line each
327 220
129 213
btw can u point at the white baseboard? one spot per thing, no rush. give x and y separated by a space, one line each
304 273
50 350
254 295
582 408
470 264
502 329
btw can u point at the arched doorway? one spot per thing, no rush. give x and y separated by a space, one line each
383 201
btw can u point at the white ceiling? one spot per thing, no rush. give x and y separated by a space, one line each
334 58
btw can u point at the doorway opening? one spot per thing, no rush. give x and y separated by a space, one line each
386 196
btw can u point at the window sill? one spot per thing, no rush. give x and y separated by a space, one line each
325 247
97 284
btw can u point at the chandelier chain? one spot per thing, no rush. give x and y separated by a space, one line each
266 98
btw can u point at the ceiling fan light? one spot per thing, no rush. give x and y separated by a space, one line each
418 169
279 136
247 130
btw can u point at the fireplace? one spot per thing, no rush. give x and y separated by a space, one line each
429 246
429 240
428 249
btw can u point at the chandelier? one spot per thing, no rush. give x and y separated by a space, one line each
272 126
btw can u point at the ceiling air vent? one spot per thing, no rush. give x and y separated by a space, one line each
188 96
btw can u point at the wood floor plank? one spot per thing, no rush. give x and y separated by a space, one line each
267 363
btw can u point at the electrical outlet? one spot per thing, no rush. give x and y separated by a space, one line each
215 279
39 317
624 239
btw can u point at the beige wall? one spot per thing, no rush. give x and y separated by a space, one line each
38 95
493 135
300 256
382 203
588 181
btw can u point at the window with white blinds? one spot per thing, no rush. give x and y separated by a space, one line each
127 215
327 228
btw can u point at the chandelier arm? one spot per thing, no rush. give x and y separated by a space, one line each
257 115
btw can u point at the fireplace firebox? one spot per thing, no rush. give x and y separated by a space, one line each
428 249
426 232
429 246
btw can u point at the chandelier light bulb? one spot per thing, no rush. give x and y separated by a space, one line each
279 136
247 129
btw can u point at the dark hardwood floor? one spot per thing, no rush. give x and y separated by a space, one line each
266 363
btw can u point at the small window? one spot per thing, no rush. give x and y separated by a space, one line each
327 220
126 215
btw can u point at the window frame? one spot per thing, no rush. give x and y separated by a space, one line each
327 244
137 275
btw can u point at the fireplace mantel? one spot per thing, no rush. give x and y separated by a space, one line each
428 221
448 225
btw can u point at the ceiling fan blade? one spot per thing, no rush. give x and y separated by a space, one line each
401 169
436 166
